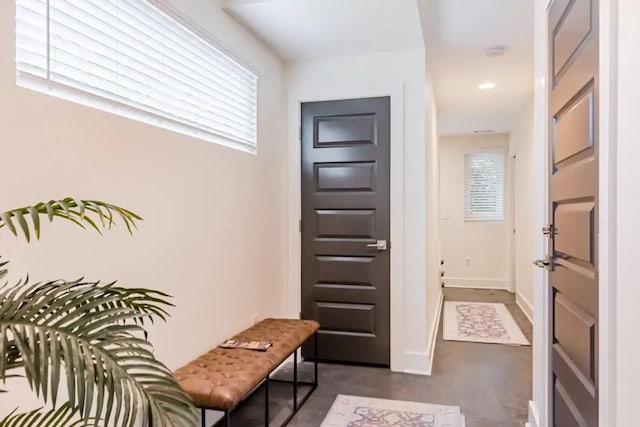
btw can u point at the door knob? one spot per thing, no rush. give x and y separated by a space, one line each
380 245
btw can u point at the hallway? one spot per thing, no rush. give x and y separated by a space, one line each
491 383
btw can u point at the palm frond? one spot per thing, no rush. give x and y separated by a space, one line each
3 269
91 336
64 416
96 214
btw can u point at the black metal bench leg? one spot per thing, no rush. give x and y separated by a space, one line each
203 417
227 418
266 401
315 359
295 380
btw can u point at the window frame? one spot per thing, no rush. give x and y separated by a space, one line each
495 217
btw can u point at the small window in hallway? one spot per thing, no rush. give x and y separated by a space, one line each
484 187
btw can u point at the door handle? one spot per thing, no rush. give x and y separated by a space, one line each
545 263
380 245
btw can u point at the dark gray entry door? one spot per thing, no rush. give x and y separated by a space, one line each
345 227
573 204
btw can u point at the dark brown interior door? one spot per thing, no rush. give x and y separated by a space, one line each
573 202
345 227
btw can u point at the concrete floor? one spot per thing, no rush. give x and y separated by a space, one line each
491 383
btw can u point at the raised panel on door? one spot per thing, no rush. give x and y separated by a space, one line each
573 210
345 208
334 131
346 270
340 317
345 176
346 223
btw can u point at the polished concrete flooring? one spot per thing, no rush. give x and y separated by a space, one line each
491 383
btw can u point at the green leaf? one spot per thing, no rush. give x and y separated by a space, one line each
64 416
5 219
93 332
23 224
98 215
35 218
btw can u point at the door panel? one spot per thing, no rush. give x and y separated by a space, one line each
360 318
573 205
575 26
574 230
579 287
345 176
580 392
349 130
566 414
345 207
346 270
346 223
575 328
573 127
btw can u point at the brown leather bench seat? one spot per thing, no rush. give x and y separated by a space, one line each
221 378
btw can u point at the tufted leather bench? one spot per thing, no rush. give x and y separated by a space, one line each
221 378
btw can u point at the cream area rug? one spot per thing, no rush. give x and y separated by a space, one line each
356 411
481 322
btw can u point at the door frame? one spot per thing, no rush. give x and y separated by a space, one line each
396 283
512 166
539 408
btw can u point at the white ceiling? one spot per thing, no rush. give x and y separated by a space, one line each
456 34
460 32
306 29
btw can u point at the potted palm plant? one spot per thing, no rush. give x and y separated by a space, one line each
86 335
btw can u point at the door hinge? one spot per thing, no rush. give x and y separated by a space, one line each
549 230
299 226
300 133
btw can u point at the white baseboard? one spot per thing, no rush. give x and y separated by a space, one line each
416 363
464 282
525 306
434 332
534 418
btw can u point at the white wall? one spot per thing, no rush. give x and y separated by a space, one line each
521 145
214 234
486 244
400 75
433 245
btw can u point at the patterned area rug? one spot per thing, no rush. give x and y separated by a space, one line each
355 411
481 322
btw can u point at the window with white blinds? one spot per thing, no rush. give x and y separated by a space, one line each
484 187
133 58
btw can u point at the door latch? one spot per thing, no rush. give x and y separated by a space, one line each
546 263
549 230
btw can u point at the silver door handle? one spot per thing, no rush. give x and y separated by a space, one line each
380 245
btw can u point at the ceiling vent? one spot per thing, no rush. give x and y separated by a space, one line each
494 51
483 131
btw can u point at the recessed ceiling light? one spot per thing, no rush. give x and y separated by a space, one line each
487 86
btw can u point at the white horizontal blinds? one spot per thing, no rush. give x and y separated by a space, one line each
133 53
31 37
484 187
